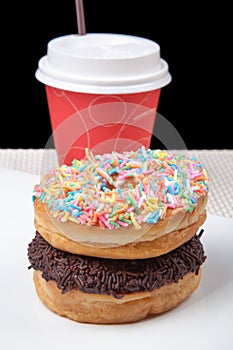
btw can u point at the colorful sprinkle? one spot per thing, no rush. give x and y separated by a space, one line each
117 190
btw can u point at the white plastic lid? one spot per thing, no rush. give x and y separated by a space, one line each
103 63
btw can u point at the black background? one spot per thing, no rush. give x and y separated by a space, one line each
196 42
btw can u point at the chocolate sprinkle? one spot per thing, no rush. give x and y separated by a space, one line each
110 276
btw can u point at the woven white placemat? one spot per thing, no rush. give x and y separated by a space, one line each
218 163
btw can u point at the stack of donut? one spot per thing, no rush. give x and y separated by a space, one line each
118 235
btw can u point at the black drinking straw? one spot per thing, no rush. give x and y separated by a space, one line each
80 17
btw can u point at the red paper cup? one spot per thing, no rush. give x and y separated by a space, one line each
102 92
101 123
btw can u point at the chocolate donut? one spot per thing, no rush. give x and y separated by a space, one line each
61 277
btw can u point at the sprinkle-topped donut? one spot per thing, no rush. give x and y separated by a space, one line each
117 190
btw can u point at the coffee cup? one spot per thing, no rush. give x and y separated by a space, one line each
103 92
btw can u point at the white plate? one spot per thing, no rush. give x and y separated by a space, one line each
203 321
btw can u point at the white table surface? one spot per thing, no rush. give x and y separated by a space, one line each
218 163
